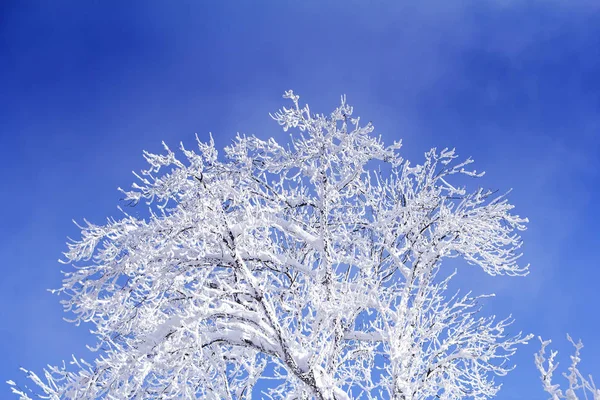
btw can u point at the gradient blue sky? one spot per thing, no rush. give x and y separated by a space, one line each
86 86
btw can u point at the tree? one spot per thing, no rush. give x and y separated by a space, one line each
312 270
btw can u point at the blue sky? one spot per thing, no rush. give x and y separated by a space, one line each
86 86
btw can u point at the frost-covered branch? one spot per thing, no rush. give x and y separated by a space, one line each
580 386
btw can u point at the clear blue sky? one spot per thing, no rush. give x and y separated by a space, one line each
86 86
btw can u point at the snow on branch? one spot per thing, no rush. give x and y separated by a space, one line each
580 386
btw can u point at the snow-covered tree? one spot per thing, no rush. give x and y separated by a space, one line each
580 386
307 270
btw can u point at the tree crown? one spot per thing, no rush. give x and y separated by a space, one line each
312 268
